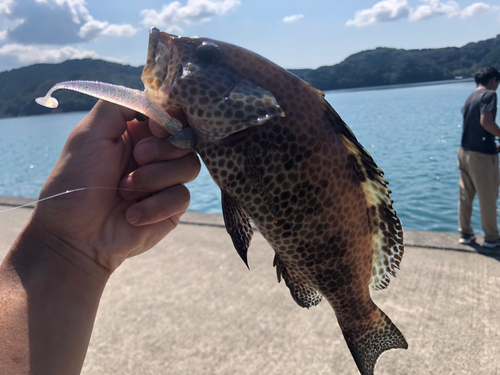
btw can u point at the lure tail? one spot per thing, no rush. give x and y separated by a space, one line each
121 95
369 340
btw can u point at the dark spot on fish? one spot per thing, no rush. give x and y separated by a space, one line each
289 164
280 178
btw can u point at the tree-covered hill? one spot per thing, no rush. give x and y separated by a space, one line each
20 87
390 66
378 67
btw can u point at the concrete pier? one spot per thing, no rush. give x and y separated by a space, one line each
190 306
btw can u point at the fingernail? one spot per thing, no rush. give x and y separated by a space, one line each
133 215
146 152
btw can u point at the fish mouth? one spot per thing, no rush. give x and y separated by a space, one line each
156 53
153 44
155 37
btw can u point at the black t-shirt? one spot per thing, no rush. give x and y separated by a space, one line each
474 136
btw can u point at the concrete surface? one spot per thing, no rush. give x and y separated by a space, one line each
190 306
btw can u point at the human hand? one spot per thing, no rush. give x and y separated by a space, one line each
109 225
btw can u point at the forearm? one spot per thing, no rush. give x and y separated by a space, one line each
492 128
49 295
488 123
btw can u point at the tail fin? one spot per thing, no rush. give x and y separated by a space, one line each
368 342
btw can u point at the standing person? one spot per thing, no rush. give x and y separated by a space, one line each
478 159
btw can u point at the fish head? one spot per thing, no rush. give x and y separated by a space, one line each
206 79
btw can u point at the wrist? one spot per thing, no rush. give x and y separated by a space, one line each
39 256
53 292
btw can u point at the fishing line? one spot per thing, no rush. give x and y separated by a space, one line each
69 192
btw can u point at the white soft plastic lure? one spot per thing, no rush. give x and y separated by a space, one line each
121 95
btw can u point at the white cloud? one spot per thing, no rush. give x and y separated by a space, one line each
478 9
37 54
56 22
3 35
120 30
6 6
434 8
93 29
293 18
384 11
392 10
195 11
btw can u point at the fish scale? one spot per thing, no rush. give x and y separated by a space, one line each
286 162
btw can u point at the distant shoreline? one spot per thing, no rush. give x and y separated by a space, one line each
402 85
368 88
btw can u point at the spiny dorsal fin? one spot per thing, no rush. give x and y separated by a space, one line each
387 231
302 293
237 225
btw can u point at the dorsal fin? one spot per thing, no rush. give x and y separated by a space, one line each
387 231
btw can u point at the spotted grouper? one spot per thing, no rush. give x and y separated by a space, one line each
286 162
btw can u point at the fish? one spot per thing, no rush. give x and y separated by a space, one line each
287 164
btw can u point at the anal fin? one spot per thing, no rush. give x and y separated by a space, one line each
302 293
237 225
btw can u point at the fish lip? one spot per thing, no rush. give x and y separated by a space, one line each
166 38
157 36
153 44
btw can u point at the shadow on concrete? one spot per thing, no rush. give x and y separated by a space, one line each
492 253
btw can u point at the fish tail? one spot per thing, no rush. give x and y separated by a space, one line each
369 340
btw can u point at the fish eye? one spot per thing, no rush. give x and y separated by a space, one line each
208 53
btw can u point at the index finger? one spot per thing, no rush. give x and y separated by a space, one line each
106 121
153 149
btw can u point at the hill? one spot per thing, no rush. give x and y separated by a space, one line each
390 66
20 87
378 67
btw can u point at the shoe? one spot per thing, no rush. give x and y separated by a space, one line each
491 244
467 239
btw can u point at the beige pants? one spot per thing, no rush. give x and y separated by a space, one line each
479 174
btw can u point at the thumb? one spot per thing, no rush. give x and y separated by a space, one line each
106 121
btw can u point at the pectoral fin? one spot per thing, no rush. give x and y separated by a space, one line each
237 225
251 104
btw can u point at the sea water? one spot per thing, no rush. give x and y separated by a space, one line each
412 133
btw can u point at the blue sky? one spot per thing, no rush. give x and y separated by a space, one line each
292 33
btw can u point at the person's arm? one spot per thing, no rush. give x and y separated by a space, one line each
53 276
488 123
